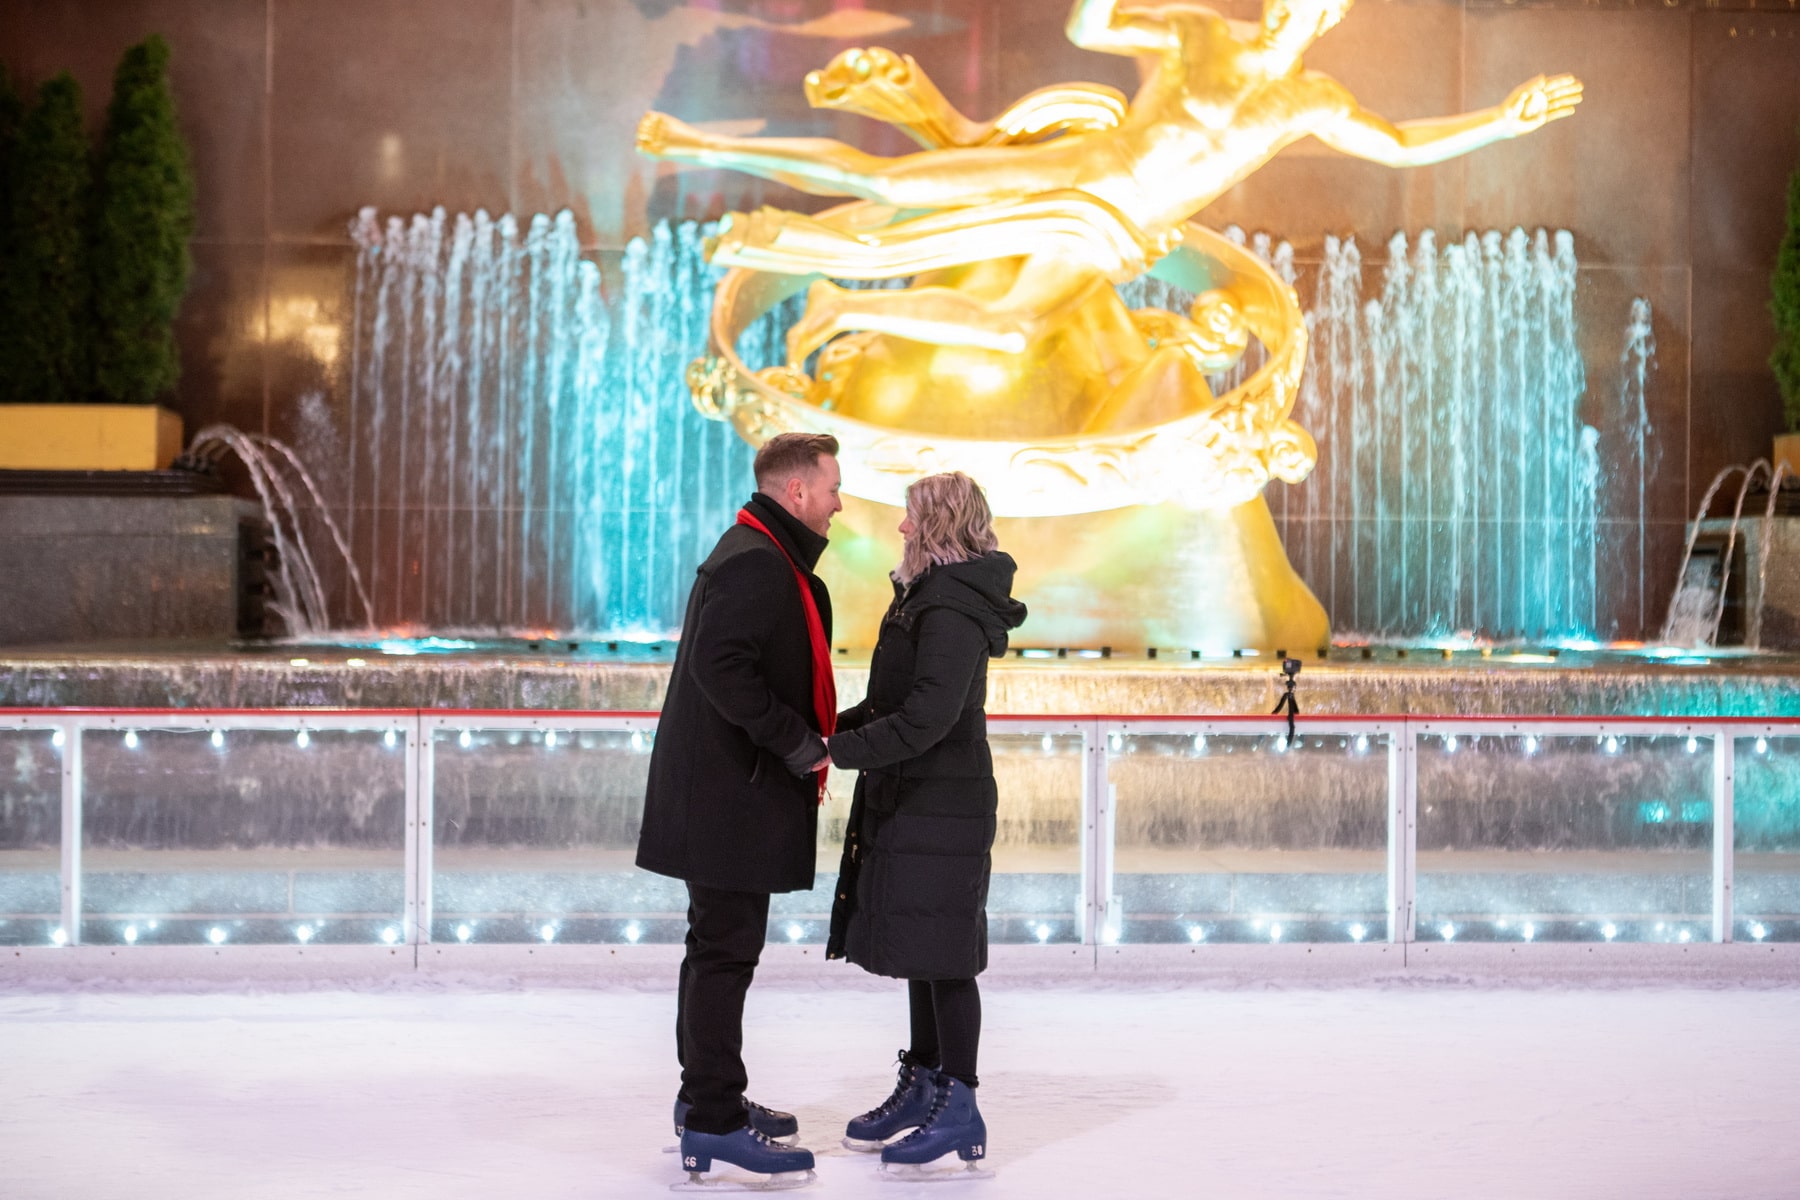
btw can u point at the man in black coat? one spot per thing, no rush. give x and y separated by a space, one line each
732 805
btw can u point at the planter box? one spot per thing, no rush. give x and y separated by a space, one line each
1787 449
88 437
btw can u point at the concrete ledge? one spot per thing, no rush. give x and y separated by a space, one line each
239 967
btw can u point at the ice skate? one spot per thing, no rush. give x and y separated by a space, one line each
761 1165
953 1126
906 1109
779 1127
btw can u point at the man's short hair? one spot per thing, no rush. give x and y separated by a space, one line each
786 455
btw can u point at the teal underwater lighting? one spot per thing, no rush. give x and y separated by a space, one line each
1688 812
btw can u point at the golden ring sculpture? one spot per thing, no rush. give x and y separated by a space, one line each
1217 457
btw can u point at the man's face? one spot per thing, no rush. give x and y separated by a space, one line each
813 496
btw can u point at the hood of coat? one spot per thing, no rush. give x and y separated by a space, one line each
980 588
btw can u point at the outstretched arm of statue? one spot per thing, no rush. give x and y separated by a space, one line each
1099 25
1531 106
894 89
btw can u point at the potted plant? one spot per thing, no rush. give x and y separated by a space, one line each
1784 305
89 293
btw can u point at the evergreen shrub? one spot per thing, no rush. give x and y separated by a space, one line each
1784 304
144 215
45 330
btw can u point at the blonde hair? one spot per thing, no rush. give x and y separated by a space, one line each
951 524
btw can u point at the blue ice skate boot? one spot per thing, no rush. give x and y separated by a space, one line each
953 1125
765 1121
906 1109
749 1150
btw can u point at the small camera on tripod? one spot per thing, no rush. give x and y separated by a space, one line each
1291 668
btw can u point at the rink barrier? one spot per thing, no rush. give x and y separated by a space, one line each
1099 933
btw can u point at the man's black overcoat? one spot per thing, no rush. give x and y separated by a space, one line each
728 804
911 900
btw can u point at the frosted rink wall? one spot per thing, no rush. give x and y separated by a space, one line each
420 834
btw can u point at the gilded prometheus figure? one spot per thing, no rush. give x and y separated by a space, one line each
1007 351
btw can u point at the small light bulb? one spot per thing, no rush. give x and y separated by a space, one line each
1196 933
1693 744
464 739
56 739
1199 743
218 739
216 936
1358 932
464 933
1758 930
1275 932
131 739
1450 744
303 739
131 935
637 740
1762 745
303 934
1118 743
547 933
1362 746
1447 931
795 932
1531 743
550 738
1049 743
1043 933
1612 745
633 932
388 739
59 936
390 935
1609 931
1684 936
1528 931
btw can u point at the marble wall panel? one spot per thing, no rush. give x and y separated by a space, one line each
215 68
1615 172
1746 134
1737 408
402 104
219 335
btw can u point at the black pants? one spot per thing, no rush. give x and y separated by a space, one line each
724 941
946 1025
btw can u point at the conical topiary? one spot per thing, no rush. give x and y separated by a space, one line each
12 111
1784 304
144 215
44 315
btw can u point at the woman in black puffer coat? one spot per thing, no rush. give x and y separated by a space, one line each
911 899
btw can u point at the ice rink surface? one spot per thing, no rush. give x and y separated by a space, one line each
1090 1090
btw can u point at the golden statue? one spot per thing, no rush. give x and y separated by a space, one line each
1009 354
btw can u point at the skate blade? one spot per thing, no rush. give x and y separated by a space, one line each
792 1139
930 1173
864 1146
781 1181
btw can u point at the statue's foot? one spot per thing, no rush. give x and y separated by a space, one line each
873 83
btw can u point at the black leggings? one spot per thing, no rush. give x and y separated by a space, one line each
946 1025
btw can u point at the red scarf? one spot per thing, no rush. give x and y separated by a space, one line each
824 687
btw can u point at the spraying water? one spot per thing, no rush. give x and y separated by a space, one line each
551 473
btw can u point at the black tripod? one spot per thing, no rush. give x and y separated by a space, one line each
1290 667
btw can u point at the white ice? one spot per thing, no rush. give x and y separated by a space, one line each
1089 1089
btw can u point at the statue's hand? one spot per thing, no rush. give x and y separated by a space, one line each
1538 101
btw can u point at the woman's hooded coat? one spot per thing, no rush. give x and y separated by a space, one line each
911 900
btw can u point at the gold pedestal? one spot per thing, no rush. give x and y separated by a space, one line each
1161 575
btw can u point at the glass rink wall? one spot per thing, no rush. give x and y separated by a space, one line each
301 827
